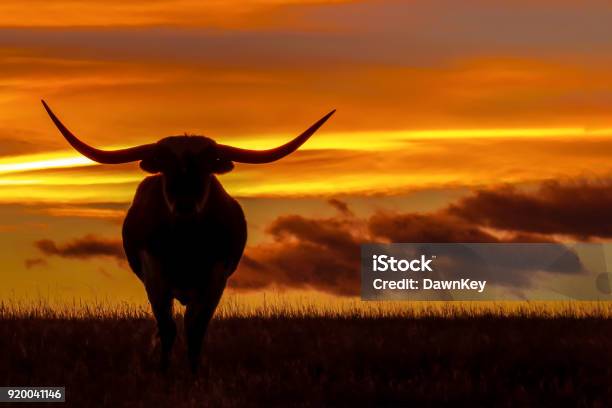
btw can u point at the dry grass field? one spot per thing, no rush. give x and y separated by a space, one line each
279 351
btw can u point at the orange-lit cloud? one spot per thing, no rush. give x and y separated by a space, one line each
112 13
407 166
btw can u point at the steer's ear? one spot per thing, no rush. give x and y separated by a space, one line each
151 165
222 166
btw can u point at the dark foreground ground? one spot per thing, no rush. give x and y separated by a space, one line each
320 361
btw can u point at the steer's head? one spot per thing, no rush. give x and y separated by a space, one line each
185 162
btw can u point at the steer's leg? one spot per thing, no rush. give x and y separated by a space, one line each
160 297
166 328
199 312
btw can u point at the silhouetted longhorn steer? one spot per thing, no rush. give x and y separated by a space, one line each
184 234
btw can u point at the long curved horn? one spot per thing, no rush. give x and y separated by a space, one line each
101 156
266 156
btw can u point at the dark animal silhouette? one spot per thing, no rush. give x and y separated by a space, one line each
184 234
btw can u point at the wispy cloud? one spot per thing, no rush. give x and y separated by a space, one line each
82 248
34 262
131 13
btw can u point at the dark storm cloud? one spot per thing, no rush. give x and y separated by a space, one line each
439 227
88 246
306 253
427 227
324 253
579 209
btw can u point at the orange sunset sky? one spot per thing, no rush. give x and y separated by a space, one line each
456 121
